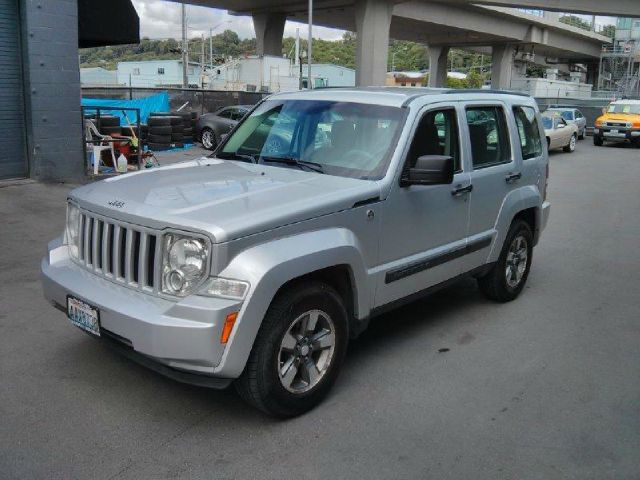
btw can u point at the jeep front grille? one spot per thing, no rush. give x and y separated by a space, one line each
126 254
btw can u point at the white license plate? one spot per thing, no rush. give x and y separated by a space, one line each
83 315
613 131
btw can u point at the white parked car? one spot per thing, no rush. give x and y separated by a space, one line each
559 133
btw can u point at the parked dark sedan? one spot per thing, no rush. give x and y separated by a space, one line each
212 126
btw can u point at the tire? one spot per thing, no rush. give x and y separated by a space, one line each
208 139
176 137
571 147
175 120
583 134
126 130
494 285
158 121
187 139
188 131
153 138
598 141
109 121
110 130
158 147
194 115
261 383
161 130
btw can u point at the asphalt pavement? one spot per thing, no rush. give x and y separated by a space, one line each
451 387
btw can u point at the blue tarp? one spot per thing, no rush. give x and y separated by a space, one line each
154 103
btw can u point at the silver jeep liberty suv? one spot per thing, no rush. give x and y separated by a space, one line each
319 211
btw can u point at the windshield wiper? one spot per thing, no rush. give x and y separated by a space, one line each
313 166
237 156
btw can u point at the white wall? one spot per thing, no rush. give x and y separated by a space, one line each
146 74
543 87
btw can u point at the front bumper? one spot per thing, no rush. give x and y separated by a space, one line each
619 133
180 339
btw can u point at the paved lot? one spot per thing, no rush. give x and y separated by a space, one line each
545 387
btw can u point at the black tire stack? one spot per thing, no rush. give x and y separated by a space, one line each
142 134
160 129
170 129
107 124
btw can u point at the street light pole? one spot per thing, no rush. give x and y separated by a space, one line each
310 39
185 48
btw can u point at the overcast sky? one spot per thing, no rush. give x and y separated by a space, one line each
161 19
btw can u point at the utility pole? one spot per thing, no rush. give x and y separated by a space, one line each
210 50
310 39
202 61
185 48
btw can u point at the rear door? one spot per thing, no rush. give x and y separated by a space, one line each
495 173
13 159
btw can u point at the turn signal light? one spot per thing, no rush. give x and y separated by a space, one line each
229 322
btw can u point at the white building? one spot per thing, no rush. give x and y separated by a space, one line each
158 73
98 77
269 73
332 75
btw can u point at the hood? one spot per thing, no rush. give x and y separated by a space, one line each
224 199
620 117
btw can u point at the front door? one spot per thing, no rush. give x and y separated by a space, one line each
424 227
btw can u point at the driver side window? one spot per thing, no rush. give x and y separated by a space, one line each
437 134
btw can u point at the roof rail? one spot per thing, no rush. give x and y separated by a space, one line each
485 90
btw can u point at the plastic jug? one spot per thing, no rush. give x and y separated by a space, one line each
122 164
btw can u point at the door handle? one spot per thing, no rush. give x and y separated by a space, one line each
512 177
456 192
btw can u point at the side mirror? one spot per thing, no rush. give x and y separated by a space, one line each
430 170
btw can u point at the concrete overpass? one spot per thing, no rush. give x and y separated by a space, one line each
616 8
439 24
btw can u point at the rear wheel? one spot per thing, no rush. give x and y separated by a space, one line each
582 134
298 351
507 277
208 139
571 146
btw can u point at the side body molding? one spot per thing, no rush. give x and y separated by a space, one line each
270 265
515 202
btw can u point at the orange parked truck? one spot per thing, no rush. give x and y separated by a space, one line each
620 122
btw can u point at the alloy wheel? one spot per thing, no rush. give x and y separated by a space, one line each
208 140
306 351
516 264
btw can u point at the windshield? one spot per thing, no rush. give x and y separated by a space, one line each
547 123
624 108
346 139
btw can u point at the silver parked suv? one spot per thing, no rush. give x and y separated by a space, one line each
256 265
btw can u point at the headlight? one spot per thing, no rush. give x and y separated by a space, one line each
184 264
225 288
72 231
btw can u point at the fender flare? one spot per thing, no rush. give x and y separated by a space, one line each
515 202
268 266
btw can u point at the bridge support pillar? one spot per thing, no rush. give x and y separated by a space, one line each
502 66
438 66
373 20
269 29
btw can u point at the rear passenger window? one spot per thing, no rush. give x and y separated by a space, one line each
489 136
528 131
437 134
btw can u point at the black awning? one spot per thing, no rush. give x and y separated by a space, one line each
102 23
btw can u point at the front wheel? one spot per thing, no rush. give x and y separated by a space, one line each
208 139
298 351
597 141
571 146
507 277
